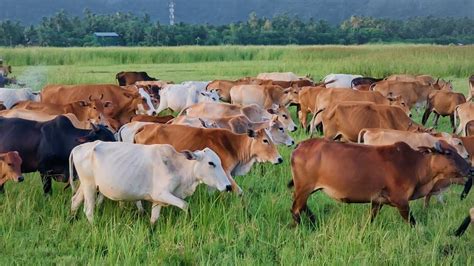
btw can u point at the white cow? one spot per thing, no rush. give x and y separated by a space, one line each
179 96
340 80
201 85
10 97
145 95
127 132
133 172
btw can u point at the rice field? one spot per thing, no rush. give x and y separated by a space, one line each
224 229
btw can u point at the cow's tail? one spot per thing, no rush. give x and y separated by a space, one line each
462 228
71 172
360 137
455 119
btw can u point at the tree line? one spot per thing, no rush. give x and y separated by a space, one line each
64 30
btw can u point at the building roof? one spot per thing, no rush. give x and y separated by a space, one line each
106 34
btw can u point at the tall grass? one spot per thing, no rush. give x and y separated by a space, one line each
225 229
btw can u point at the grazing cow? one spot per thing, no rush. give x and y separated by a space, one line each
468 220
45 146
266 96
465 113
443 103
119 104
155 119
414 93
156 173
340 80
307 98
254 112
10 168
439 84
5 70
238 152
84 111
240 124
471 87
380 175
178 97
125 78
346 119
10 97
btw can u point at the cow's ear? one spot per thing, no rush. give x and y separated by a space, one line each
189 155
271 111
438 148
251 133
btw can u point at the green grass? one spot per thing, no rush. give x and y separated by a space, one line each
222 228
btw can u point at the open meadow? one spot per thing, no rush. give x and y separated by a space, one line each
223 229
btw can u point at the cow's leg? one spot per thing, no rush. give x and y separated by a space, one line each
47 183
90 193
426 115
462 228
139 205
404 209
436 120
426 202
2 190
155 213
100 199
451 119
171 199
76 201
299 204
376 207
302 115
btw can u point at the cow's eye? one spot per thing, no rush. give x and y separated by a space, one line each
265 141
212 164
285 116
447 152
10 164
281 129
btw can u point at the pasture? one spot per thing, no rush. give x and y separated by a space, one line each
222 229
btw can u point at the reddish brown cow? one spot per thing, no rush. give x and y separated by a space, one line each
443 103
130 77
380 175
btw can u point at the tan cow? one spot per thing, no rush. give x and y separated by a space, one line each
238 152
443 103
266 96
465 113
346 119
438 84
307 98
471 87
254 112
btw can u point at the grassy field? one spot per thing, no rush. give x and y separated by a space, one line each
225 229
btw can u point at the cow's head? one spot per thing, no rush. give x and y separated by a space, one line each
149 101
10 167
284 116
207 96
263 148
457 144
445 161
291 95
138 103
97 132
278 132
400 102
208 169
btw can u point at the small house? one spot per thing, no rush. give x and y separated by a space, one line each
107 38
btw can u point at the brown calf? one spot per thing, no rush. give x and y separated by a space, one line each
443 103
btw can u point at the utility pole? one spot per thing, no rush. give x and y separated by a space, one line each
171 8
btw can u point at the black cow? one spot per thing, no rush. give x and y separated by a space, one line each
130 77
45 146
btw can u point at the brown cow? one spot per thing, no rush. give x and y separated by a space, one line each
307 98
237 152
10 167
443 103
354 173
119 104
84 111
438 84
130 77
468 220
465 113
346 119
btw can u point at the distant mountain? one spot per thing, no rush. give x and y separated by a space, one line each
226 11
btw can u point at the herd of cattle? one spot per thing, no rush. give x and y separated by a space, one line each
113 140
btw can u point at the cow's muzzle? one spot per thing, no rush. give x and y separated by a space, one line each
20 178
228 188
